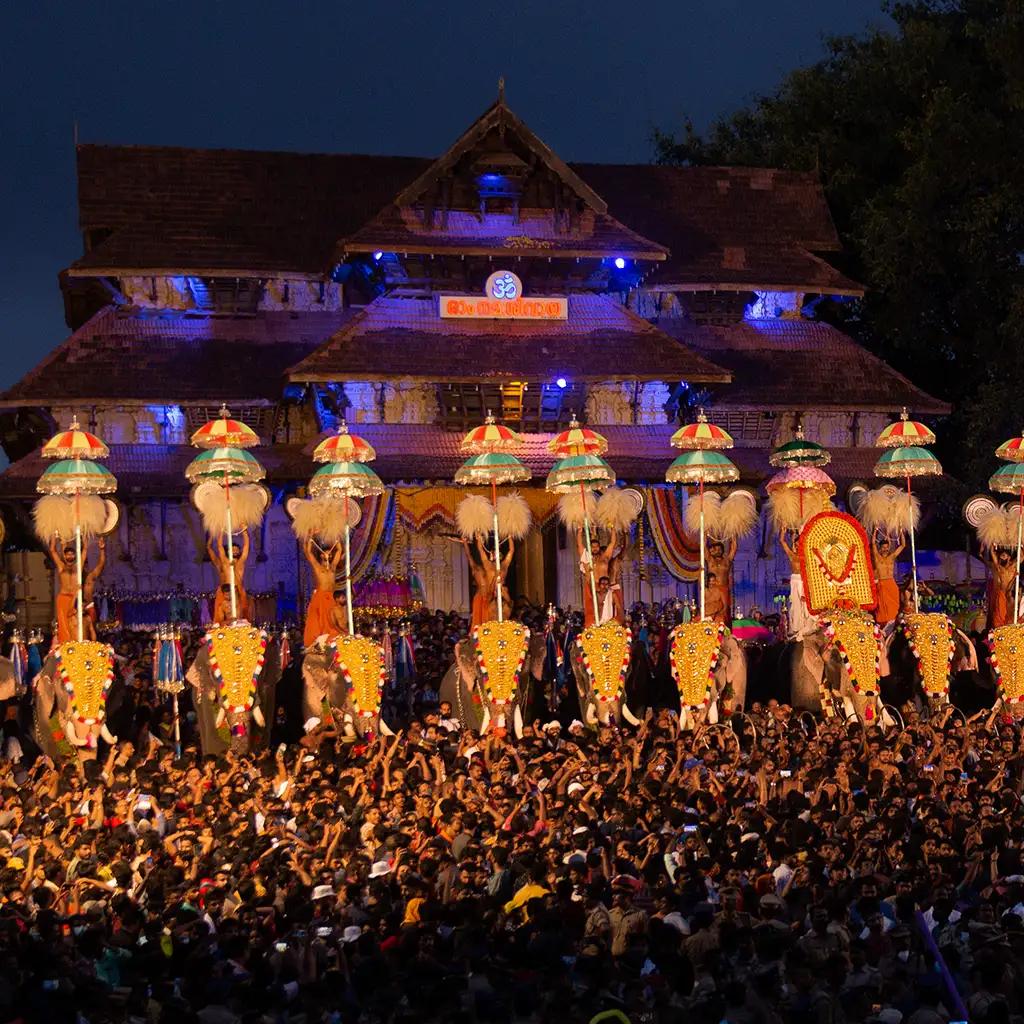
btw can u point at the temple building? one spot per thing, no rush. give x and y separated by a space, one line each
410 297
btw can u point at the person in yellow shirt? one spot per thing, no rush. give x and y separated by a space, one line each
532 890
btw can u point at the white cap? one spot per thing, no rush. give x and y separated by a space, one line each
310 724
574 787
351 933
380 868
323 892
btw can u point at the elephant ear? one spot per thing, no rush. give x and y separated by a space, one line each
199 671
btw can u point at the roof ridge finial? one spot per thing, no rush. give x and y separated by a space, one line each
501 90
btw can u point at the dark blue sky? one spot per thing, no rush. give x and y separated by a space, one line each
592 79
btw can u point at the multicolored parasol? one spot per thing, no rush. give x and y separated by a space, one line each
492 465
74 475
1009 479
577 440
224 432
75 443
226 462
490 437
701 436
702 467
1012 450
800 452
905 433
906 459
344 447
345 480
803 477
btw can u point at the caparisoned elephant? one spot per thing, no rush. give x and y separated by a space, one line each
324 684
66 723
240 724
707 693
463 688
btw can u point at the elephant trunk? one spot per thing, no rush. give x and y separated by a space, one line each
108 736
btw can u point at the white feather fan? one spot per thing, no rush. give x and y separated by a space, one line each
789 509
248 504
999 529
514 516
474 515
616 510
322 519
736 517
570 509
712 514
54 516
888 508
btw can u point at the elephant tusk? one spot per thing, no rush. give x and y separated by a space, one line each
219 720
628 715
591 714
486 721
713 713
384 730
257 716
73 738
517 722
108 736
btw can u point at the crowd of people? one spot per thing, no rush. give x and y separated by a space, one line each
787 870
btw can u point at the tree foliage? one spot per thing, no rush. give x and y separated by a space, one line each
918 135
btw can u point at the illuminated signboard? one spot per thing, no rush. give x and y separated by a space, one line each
503 300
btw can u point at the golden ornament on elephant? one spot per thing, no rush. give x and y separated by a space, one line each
835 563
361 662
930 636
605 656
858 640
693 653
237 655
86 670
500 652
1006 646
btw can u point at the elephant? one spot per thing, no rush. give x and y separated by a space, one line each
631 702
728 691
60 733
463 688
323 683
221 728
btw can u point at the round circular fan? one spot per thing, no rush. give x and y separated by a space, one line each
747 493
113 517
855 496
636 497
203 491
977 508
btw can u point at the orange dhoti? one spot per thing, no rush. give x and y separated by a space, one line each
998 605
888 602
480 611
318 617
67 627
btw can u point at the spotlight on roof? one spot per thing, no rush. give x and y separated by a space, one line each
620 263
562 382
378 256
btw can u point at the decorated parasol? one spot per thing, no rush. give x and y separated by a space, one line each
904 459
1012 450
701 436
581 468
700 467
226 462
1009 479
492 464
345 480
344 447
75 475
905 433
800 452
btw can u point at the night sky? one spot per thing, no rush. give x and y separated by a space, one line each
592 79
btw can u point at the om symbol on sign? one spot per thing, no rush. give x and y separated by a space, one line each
505 286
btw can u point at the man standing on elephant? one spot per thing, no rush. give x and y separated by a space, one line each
884 556
319 613
718 591
226 567
89 590
64 603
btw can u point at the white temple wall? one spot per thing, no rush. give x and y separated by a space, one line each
136 424
618 402
278 294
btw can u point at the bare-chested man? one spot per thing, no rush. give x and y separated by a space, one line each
801 622
719 558
1002 564
324 565
884 552
606 565
217 551
64 602
485 595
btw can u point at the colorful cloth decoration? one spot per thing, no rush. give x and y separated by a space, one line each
1006 655
693 654
362 664
237 654
500 652
86 670
421 507
604 651
930 635
677 550
835 563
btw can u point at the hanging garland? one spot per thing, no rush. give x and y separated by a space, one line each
241 650
605 657
500 653
1006 647
849 634
362 664
693 654
930 636
86 669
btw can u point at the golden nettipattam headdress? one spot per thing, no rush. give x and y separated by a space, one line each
693 654
86 670
1006 646
237 654
362 664
604 651
858 640
930 635
835 563
500 652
